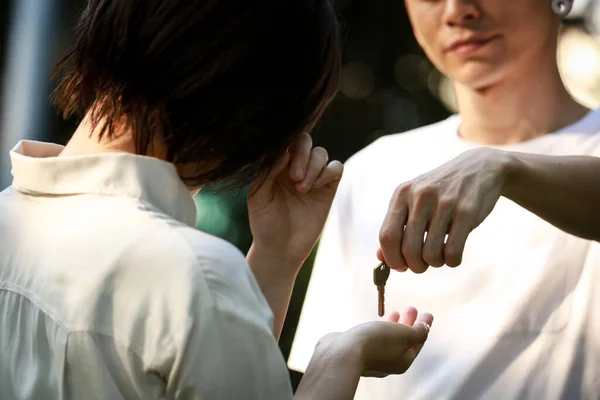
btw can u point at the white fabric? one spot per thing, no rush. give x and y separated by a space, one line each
520 319
108 292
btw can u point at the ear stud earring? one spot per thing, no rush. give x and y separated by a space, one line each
562 7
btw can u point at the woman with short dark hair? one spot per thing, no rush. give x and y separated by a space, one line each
106 289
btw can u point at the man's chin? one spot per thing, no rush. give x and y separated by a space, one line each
477 76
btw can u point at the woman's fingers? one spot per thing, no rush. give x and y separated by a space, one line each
414 341
391 348
300 150
308 166
261 187
409 316
279 166
317 162
393 316
426 320
331 174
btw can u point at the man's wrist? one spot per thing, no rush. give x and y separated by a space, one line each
511 167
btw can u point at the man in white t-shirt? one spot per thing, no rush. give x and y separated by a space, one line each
508 190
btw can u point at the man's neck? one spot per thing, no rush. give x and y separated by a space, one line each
518 109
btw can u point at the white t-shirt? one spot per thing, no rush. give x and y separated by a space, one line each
108 292
519 319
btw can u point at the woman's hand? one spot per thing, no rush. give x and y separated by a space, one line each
385 347
450 200
373 349
288 209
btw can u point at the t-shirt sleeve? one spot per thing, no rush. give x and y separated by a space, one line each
329 291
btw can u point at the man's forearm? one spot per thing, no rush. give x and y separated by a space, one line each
563 190
276 280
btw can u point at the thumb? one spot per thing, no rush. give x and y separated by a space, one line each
279 166
265 181
380 255
426 320
419 334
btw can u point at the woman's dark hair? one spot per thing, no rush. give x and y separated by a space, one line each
224 84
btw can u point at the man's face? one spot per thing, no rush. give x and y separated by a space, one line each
478 43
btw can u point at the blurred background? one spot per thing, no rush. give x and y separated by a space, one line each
388 86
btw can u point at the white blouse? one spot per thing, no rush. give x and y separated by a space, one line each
108 292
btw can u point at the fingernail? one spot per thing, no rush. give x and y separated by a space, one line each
299 172
318 184
427 326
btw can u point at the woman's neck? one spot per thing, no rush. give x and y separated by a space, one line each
517 110
86 141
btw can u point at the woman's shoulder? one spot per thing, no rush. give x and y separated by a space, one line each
170 279
224 269
200 267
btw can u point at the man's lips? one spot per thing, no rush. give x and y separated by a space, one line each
469 44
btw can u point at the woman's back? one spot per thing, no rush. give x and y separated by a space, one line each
107 292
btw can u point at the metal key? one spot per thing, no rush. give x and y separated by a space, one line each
381 273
